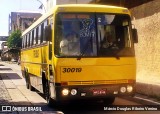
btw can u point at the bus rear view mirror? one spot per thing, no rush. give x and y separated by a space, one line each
135 35
48 33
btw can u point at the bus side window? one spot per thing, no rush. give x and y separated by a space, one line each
24 38
48 33
22 42
37 35
45 24
25 41
30 39
42 29
34 37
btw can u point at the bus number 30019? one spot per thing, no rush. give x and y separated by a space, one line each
67 70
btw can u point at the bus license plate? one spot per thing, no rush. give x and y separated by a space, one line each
99 92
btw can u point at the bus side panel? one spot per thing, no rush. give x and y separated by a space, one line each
35 61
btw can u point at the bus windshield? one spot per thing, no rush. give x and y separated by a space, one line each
92 35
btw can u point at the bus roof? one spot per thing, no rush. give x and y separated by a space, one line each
90 6
79 8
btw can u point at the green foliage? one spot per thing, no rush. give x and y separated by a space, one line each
15 40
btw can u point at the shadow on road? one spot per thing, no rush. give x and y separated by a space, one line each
10 76
5 69
79 107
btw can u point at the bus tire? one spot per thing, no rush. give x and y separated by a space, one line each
48 94
28 83
27 79
109 100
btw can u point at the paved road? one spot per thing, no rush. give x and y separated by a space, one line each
13 92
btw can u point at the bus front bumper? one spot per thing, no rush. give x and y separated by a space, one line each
92 91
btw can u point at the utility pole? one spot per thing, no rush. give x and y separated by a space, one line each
42 5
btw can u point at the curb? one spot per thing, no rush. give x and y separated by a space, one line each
151 90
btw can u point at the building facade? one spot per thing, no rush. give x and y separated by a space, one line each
3 39
21 20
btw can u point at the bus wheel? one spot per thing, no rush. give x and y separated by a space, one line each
47 94
27 79
28 83
109 100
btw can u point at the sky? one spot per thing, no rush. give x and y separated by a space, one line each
8 6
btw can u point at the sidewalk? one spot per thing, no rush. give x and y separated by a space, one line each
5 97
149 86
15 89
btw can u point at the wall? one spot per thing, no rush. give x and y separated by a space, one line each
146 19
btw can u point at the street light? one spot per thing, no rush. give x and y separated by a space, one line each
42 5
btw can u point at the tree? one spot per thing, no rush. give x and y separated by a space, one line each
15 40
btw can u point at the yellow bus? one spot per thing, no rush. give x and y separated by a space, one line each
80 52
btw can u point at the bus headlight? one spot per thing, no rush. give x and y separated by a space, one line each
129 88
65 92
73 92
123 89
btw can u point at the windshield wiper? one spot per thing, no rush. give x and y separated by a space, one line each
116 55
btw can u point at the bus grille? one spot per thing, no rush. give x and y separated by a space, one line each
99 82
